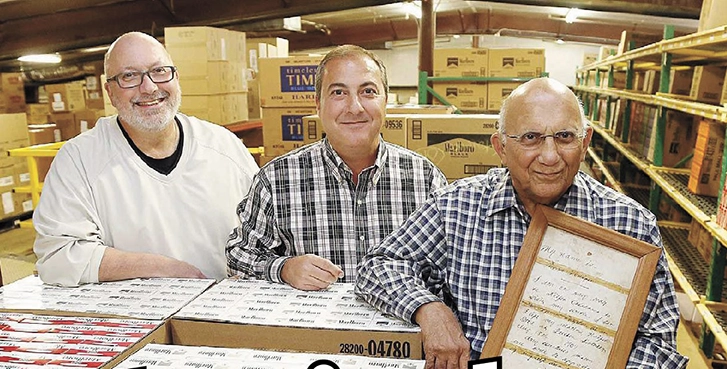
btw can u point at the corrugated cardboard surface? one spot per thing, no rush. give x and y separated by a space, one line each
288 82
458 144
329 341
393 130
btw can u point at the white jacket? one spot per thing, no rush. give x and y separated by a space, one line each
99 193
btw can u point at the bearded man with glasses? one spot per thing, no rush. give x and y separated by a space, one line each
149 192
447 267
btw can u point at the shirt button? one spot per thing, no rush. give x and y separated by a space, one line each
361 237
359 202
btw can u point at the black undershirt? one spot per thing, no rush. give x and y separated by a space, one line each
164 165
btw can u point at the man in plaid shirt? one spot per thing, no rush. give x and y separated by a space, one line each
446 268
313 213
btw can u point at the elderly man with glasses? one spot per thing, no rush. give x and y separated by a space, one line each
149 192
447 267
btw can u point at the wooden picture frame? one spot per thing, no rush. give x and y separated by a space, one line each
575 296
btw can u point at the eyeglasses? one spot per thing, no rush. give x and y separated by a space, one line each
566 140
134 78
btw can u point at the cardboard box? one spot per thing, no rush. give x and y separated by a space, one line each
289 82
458 144
196 43
254 110
463 95
680 81
262 315
37 113
155 299
697 239
680 136
393 130
93 94
283 129
43 133
526 63
12 93
65 97
71 341
460 62
707 84
219 109
713 15
86 119
176 356
652 80
66 124
13 132
265 47
210 77
418 109
707 161
589 58
639 80
497 92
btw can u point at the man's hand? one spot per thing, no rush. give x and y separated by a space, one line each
445 346
310 272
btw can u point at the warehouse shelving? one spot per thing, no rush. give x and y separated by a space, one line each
424 90
702 283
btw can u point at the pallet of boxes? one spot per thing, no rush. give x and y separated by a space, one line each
200 323
483 96
287 96
212 68
13 135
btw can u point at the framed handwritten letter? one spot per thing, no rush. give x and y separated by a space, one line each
575 297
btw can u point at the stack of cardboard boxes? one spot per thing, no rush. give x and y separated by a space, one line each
12 93
13 170
479 97
68 110
459 144
706 168
272 47
287 96
212 68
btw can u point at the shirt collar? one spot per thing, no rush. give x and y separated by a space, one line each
503 196
341 171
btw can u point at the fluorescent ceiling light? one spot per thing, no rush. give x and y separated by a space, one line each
572 15
95 49
41 58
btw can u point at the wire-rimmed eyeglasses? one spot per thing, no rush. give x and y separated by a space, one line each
134 78
563 139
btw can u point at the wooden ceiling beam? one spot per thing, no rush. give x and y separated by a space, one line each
82 26
688 9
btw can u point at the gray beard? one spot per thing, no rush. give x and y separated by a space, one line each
155 122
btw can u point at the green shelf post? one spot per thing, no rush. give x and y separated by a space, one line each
422 91
716 271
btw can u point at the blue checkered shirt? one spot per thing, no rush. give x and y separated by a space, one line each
461 246
305 202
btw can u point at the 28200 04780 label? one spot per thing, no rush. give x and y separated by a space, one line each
380 348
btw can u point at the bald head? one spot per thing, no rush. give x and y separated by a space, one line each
540 92
132 42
